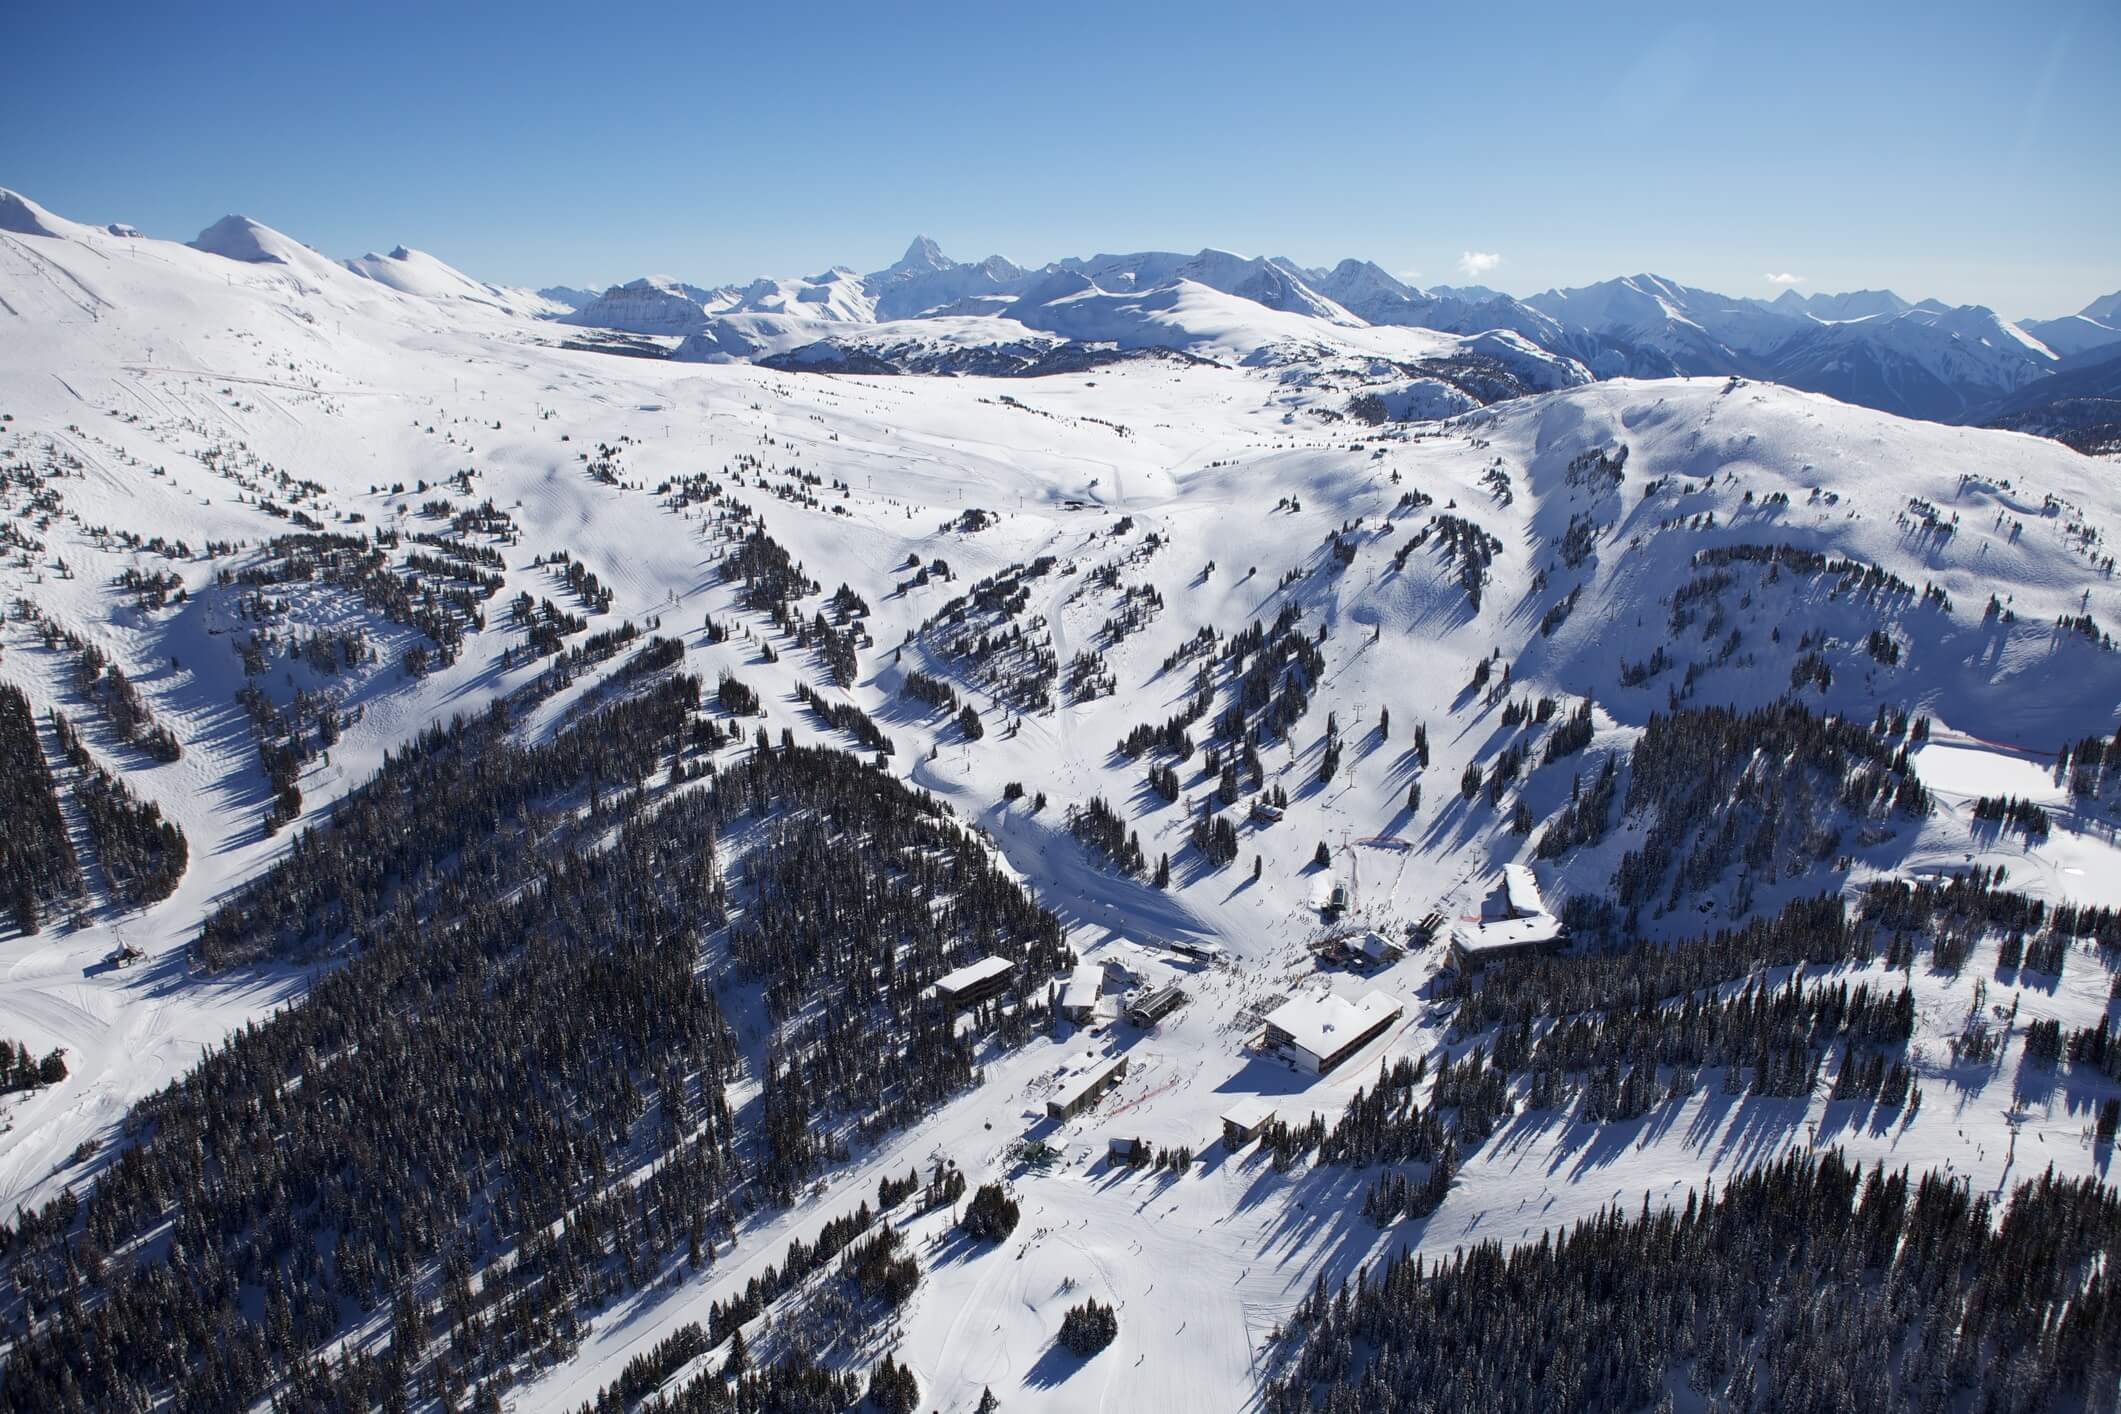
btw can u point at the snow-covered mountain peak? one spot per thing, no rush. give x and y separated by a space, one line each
922 256
241 238
251 242
1981 325
1479 294
1357 285
2072 334
568 296
2106 309
1837 308
1926 359
401 254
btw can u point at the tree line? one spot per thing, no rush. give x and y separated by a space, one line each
1807 1286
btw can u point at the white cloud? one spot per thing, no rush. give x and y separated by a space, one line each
1785 278
1476 263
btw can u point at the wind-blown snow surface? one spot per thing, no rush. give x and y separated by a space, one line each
124 363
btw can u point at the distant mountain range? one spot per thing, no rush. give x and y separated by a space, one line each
1448 348
1921 358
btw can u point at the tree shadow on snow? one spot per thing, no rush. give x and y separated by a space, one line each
1055 1367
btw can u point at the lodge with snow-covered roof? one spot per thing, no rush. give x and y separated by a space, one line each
1319 1030
974 983
1520 926
1086 987
1243 1121
1085 1085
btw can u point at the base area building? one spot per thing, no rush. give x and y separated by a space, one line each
1520 927
1319 1031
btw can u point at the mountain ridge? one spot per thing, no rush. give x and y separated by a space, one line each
1872 347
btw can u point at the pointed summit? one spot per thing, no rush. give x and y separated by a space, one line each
923 255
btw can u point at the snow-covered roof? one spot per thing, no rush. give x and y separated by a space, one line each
973 973
1375 944
1323 1022
1521 887
1085 986
1508 932
1095 1073
1250 1113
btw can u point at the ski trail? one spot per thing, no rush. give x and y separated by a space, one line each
86 856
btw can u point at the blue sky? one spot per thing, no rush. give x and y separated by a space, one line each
1957 150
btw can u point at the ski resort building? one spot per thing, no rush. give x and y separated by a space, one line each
1243 1121
1374 949
1367 949
1520 927
1154 1007
974 982
1085 988
1320 1030
1086 1086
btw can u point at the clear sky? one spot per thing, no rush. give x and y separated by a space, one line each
1970 152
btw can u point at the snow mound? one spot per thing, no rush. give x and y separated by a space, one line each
23 217
240 238
415 272
1425 400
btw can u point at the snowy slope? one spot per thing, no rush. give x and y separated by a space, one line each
2106 309
166 390
1942 365
22 217
415 272
239 238
2072 333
